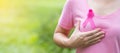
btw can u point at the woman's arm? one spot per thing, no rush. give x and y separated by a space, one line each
61 36
77 39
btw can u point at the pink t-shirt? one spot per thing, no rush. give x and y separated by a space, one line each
109 23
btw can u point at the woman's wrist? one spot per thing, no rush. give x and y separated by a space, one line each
67 43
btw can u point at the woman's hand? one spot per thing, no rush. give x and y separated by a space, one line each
84 39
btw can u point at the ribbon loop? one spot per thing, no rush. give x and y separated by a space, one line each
89 19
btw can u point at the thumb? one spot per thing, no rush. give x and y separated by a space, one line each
77 25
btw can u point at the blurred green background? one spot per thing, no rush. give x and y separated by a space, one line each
27 26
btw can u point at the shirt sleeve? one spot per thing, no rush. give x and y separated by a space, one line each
66 18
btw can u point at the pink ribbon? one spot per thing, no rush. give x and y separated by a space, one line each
89 19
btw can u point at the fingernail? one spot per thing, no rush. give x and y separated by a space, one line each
102 31
99 29
103 36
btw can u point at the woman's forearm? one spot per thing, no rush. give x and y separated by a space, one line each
61 40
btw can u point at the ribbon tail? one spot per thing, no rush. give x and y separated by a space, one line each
92 24
85 23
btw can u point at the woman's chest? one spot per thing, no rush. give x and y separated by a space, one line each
110 24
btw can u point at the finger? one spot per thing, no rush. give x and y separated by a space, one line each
89 33
77 26
95 39
95 35
92 43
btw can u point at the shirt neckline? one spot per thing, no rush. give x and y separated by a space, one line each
103 16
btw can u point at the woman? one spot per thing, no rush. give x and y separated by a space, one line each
96 23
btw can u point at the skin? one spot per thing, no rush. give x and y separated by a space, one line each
85 39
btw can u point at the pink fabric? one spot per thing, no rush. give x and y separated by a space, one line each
109 23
